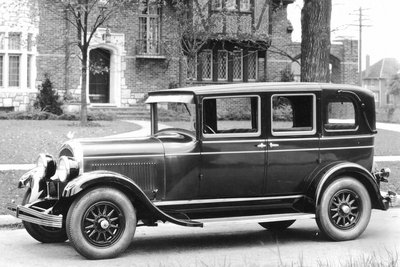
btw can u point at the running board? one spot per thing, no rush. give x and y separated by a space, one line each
261 218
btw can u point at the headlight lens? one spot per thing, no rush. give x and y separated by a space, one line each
47 164
68 169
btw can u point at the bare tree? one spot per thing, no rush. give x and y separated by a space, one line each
315 40
86 16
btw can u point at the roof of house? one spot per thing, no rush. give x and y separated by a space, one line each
383 69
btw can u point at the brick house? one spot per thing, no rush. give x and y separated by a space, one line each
139 51
377 78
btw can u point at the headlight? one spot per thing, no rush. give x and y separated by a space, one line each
47 164
68 169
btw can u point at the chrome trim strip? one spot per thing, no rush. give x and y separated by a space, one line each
345 148
234 141
346 137
125 156
183 154
220 200
232 152
292 150
293 139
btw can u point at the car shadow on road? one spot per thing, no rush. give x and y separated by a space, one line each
220 240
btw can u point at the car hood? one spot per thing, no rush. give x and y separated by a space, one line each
111 150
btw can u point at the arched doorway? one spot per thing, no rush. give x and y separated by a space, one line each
99 75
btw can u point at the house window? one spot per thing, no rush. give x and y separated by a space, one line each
252 58
29 42
149 28
227 4
13 70
244 5
28 71
237 65
1 70
206 64
2 40
222 65
14 41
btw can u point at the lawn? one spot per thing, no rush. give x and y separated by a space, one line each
21 141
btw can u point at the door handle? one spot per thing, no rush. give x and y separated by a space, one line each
272 145
261 145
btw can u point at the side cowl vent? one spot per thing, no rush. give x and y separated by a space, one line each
142 173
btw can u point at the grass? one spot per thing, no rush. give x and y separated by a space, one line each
21 141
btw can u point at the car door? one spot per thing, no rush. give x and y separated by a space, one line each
232 147
293 141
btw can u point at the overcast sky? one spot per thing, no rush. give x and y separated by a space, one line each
381 39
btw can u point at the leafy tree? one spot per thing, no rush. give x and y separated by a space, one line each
48 99
315 40
86 16
394 85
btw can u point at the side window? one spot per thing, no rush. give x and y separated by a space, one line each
293 114
231 116
340 115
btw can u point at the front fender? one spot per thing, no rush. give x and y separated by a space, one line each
94 178
330 172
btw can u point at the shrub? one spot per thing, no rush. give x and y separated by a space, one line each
48 99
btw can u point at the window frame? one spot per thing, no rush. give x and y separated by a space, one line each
255 53
211 65
241 65
239 134
313 131
225 52
356 120
148 17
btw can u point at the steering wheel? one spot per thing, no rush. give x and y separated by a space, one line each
208 129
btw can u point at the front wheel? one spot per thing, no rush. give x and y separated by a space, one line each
101 223
344 209
41 233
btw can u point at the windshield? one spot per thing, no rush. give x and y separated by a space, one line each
174 115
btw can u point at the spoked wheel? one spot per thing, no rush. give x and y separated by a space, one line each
41 233
101 223
277 226
344 210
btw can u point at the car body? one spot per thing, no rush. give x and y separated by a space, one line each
265 152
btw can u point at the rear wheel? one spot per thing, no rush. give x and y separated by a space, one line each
277 226
344 209
41 233
101 223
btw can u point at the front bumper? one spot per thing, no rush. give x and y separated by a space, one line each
31 215
389 199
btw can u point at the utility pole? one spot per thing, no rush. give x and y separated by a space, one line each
360 47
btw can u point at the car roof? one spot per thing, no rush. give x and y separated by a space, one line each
259 87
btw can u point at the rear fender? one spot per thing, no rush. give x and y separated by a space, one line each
333 171
95 178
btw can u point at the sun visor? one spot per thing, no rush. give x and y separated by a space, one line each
188 99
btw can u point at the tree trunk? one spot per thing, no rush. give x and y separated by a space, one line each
316 40
83 89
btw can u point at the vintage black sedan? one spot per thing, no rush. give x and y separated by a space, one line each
266 152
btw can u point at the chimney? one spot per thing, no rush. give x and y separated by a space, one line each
367 62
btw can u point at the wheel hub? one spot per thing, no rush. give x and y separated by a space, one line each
104 223
344 209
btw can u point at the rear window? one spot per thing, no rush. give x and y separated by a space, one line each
340 115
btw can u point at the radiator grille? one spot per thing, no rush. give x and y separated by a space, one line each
143 174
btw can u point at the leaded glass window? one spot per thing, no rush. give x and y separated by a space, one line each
14 41
237 65
1 70
222 65
13 70
206 62
252 65
149 28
